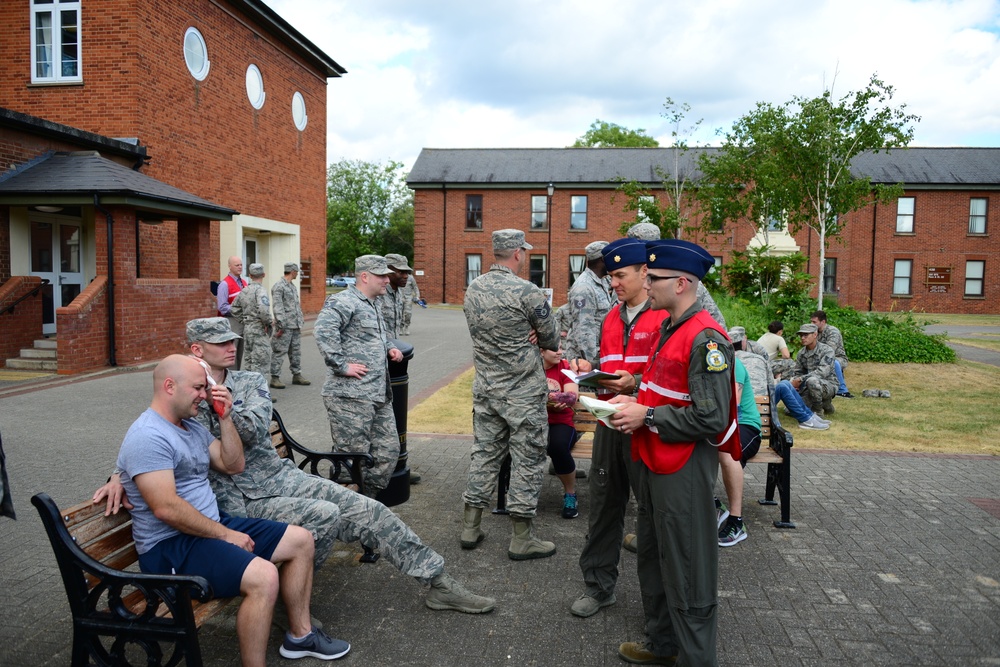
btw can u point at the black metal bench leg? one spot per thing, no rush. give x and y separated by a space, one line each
784 475
503 483
370 555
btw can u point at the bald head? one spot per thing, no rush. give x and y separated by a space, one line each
236 265
179 385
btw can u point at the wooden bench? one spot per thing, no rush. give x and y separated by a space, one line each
776 452
119 611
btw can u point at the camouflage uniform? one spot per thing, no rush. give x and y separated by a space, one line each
590 299
288 323
509 390
819 382
830 335
273 488
562 320
411 294
706 301
391 304
253 309
350 329
759 368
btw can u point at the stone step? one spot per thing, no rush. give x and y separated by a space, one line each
36 353
46 344
34 364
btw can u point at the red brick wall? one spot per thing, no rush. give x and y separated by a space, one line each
4 244
23 325
83 330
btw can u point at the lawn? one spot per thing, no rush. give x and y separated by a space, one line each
938 408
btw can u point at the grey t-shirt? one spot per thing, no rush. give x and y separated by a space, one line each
153 443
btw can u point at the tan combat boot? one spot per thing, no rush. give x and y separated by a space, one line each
298 379
276 382
524 545
471 534
448 594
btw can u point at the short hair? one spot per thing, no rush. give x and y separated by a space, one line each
775 326
506 253
819 315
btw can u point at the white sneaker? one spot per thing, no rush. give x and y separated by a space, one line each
814 424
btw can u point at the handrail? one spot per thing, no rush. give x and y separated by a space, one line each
33 292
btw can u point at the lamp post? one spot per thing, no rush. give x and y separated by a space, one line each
550 190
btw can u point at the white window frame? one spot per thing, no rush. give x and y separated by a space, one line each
255 78
901 278
904 218
640 214
577 265
545 269
55 10
299 116
976 282
473 268
577 213
977 219
539 212
200 74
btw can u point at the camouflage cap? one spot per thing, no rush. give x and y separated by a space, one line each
397 263
255 270
210 330
809 328
373 264
645 231
736 334
594 249
509 239
291 266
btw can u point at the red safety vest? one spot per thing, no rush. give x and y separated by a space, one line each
665 382
234 290
632 355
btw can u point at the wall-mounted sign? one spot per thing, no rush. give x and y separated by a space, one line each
938 279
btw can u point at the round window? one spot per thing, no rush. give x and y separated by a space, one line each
196 54
255 87
299 116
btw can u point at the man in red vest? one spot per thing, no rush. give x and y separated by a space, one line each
229 289
685 413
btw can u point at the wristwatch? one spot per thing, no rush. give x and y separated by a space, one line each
648 421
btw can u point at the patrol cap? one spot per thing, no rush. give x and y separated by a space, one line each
397 263
808 328
509 239
646 231
736 334
255 270
210 330
373 264
594 249
624 252
680 256
291 266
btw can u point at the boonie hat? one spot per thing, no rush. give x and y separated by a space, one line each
373 264
291 266
210 330
624 252
809 328
510 239
594 249
255 270
646 231
680 256
397 263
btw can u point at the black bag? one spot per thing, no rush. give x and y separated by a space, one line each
214 286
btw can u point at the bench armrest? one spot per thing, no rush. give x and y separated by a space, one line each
338 461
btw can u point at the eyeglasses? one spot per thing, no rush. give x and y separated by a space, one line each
652 279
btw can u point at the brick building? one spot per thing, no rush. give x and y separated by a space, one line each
221 103
930 251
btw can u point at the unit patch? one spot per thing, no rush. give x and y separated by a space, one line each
542 312
714 359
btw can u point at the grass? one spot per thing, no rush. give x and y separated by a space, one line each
985 342
953 319
937 408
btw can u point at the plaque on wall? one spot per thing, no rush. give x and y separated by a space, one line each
938 279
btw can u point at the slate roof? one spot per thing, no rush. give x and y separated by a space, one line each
78 176
600 167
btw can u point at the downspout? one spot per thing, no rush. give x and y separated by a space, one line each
444 237
871 272
112 359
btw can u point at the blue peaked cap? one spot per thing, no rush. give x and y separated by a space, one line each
680 256
624 252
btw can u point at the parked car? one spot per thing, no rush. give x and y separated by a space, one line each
340 281
330 281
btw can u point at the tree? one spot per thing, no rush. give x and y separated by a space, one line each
603 134
794 160
362 200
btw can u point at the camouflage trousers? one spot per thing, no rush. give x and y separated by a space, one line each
518 426
407 316
290 343
332 512
817 394
358 425
256 349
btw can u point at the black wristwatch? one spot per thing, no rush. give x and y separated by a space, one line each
648 421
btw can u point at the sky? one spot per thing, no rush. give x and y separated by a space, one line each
527 74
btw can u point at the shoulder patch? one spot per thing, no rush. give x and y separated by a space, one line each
543 311
263 393
579 303
264 301
714 359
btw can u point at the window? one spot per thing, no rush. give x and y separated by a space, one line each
775 224
578 212
901 273
473 267
255 87
830 275
977 216
536 270
473 211
974 272
645 202
539 212
904 216
577 263
196 54
299 116
55 41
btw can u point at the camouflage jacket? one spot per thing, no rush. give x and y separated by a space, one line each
501 310
590 299
830 335
817 363
286 306
252 307
706 301
350 329
391 304
759 368
410 291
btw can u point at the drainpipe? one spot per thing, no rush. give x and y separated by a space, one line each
112 359
444 237
871 271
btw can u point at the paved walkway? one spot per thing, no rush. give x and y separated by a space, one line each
894 561
969 352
